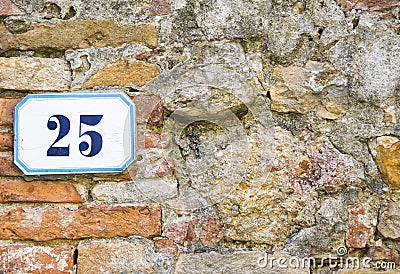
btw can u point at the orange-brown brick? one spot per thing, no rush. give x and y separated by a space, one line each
6 141
7 167
36 259
103 221
7 110
51 192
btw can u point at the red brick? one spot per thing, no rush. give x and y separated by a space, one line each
8 8
157 8
6 141
369 5
148 109
7 167
161 168
120 176
167 246
50 192
380 253
147 55
36 259
359 233
181 232
7 111
103 221
211 231
149 139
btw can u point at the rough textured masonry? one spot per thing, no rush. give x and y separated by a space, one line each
268 137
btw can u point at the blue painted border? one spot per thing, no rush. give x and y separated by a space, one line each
116 94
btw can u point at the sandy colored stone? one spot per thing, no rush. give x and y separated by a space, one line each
50 192
388 160
112 257
26 73
7 106
6 141
389 221
7 167
18 259
123 73
287 200
8 8
103 221
291 92
77 34
314 87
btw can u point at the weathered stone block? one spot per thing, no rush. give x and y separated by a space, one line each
316 87
42 74
123 73
112 257
388 160
77 34
389 221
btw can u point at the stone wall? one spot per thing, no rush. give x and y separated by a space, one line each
265 128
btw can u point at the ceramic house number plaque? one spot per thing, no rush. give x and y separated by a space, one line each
60 133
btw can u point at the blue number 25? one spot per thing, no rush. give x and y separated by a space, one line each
64 125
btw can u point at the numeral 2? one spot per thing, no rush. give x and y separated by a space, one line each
64 129
64 125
